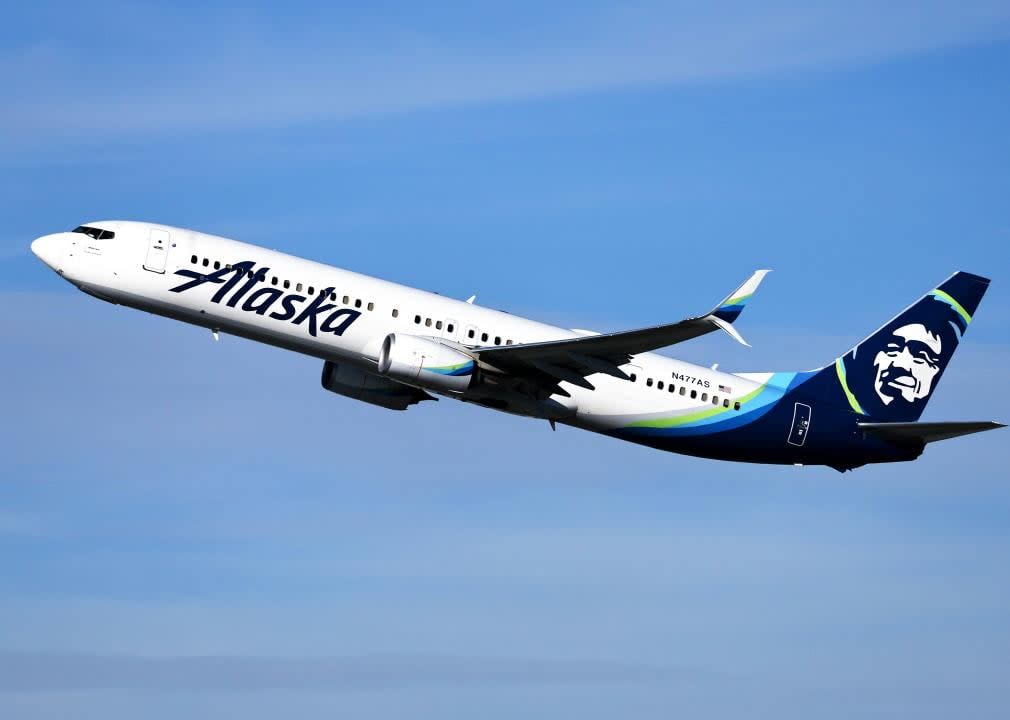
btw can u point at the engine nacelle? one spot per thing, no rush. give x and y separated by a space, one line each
425 363
353 382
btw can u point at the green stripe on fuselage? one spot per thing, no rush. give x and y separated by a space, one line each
696 416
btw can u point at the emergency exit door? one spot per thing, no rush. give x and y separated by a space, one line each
157 250
801 425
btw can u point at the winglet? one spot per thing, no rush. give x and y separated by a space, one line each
730 308
730 330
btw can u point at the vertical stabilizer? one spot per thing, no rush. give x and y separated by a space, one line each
891 375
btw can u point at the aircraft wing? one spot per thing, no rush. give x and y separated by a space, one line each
572 359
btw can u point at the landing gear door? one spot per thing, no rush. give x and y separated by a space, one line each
157 250
801 425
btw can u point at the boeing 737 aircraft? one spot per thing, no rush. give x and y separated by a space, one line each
394 346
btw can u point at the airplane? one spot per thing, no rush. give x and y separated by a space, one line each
394 346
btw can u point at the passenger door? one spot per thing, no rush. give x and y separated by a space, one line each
157 250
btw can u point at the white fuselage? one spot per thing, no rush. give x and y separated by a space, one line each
140 266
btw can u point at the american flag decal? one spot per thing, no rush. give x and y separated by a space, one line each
725 389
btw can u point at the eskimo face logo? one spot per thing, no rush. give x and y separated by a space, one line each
315 313
892 374
907 365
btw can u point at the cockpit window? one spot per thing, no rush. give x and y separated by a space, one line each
95 233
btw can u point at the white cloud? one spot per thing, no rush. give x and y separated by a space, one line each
244 71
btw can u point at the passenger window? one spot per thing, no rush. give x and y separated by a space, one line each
206 262
683 389
347 300
508 342
333 297
469 333
357 303
694 394
312 290
634 377
417 319
371 306
193 259
217 265
659 384
483 337
396 313
427 322
715 399
448 328
649 382
672 388
273 280
736 406
298 287
287 284
438 324
704 397
725 403
497 340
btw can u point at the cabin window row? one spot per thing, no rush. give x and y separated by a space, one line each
450 327
429 323
286 284
682 390
471 334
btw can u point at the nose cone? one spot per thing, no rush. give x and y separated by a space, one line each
50 250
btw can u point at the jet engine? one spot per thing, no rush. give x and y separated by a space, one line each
353 382
426 363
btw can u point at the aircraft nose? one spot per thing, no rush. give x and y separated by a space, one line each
48 249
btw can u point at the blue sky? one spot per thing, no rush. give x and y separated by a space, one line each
183 523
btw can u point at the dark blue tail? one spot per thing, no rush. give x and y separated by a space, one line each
890 376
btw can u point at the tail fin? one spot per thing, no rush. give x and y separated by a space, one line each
891 375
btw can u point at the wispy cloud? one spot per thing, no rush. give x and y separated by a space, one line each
15 524
38 672
227 71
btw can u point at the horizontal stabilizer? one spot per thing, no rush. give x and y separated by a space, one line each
926 432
